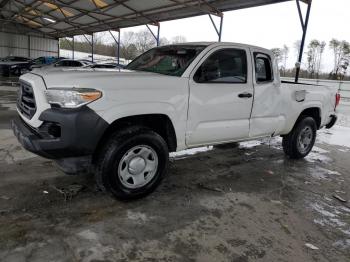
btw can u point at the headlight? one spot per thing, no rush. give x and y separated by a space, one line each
72 97
13 66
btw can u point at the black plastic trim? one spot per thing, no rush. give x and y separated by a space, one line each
81 130
332 122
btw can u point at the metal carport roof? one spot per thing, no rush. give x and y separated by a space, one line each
65 18
62 18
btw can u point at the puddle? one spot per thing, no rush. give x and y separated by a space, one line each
323 173
317 154
10 150
331 216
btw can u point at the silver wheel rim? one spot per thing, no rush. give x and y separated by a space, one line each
305 139
138 166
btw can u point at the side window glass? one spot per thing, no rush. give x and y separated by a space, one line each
263 68
223 66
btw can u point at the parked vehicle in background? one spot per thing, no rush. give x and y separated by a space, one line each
71 63
108 66
65 63
14 65
121 125
43 60
87 62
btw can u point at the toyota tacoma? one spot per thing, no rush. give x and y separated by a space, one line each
122 125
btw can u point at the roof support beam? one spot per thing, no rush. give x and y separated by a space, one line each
218 30
118 44
87 39
156 36
304 25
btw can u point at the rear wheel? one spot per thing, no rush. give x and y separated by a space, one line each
299 142
132 163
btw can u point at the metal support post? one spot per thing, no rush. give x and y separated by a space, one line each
158 31
28 46
92 47
218 30
58 47
304 25
118 47
73 47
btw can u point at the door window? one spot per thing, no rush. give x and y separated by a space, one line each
223 66
75 64
263 68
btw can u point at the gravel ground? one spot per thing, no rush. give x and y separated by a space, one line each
245 203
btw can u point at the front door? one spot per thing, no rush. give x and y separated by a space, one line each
221 97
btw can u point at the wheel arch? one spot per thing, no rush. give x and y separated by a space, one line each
314 112
159 123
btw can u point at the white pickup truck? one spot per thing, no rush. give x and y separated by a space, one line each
122 125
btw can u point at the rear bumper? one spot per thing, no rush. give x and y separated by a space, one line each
63 134
332 122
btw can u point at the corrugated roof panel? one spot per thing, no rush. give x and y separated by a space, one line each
100 16
85 5
61 25
117 14
85 20
118 11
149 4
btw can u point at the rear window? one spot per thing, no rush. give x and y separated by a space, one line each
263 68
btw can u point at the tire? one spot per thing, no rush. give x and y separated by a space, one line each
132 163
300 141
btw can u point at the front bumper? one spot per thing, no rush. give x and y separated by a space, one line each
63 134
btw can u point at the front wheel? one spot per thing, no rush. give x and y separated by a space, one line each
133 163
299 142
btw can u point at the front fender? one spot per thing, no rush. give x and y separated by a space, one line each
177 115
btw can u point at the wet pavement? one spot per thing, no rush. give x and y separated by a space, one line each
245 203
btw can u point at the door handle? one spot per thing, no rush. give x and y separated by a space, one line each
245 95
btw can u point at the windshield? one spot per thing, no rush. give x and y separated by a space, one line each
167 60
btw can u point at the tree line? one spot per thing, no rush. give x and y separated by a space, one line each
136 43
132 44
312 65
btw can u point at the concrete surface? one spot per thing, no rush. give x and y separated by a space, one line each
246 203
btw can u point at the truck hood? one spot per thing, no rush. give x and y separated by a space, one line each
92 78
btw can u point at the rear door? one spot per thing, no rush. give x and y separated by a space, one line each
268 106
221 97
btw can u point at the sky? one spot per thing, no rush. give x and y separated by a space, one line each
269 26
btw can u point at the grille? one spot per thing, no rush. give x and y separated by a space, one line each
26 100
